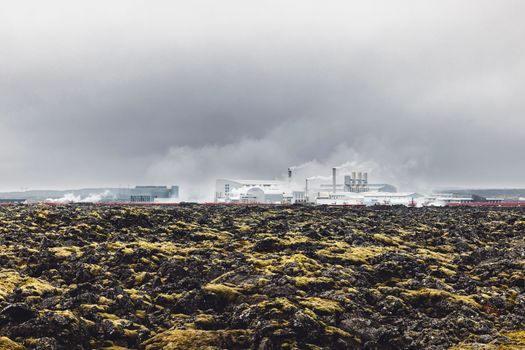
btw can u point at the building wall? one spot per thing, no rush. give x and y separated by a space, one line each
225 187
147 193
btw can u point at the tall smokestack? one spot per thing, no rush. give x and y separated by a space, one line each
334 173
289 177
306 191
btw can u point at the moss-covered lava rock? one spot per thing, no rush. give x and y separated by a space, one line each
249 277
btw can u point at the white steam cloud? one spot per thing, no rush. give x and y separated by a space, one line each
72 198
196 169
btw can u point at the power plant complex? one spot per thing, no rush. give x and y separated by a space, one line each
353 190
343 187
348 188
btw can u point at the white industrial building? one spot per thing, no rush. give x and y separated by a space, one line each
366 198
256 191
354 191
357 191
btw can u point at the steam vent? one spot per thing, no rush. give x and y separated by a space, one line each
261 277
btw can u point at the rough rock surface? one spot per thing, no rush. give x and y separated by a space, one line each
227 277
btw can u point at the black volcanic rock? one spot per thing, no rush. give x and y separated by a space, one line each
258 277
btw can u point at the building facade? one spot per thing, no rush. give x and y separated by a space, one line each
145 194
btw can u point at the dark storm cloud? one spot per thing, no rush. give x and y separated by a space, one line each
421 94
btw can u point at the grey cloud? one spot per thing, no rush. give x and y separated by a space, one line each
426 94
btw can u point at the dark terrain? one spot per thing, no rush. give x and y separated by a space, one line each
228 277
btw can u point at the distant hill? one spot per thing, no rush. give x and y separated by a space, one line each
41 195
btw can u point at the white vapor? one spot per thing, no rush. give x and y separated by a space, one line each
72 198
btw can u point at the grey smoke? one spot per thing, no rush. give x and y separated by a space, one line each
418 93
76 198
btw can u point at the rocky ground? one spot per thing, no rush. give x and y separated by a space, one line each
216 277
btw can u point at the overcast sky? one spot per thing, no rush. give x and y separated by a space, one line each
108 93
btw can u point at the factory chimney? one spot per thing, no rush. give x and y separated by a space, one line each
306 191
334 173
289 177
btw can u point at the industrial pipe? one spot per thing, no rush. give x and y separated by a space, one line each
334 173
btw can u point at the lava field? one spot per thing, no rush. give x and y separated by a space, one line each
259 277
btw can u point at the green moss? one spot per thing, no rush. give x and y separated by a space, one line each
225 291
299 263
41 214
128 251
66 252
303 262
278 305
131 333
94 269
139 277
344 252
8 344
337 331
205 320
244 228
108 316
441 257
305 282
12 280
512 340
516 336
322 305
104 301
193 339
160 248
93 307
390 240
520 224
95 215
447 271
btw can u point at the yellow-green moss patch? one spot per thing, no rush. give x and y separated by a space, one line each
304 282
193 339
223 290
8 344
322 305
342 251
66 252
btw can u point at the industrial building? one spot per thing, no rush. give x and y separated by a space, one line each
354 191
356 182
145 194
252 191
439 200
366 198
